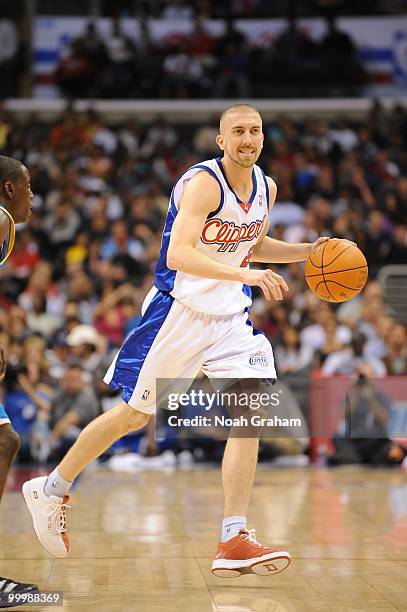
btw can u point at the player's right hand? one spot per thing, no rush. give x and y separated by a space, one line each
269 282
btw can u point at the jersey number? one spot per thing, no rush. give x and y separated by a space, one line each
246 260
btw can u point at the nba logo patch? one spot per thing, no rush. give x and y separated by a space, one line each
145 394
260 200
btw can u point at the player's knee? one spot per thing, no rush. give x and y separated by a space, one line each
9 442
132 419
138 419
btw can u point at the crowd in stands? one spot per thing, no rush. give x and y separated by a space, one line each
201 65
81 266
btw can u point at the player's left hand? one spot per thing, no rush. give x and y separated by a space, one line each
319 242
3 364
317 245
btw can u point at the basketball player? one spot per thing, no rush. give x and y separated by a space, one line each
15 207
195 318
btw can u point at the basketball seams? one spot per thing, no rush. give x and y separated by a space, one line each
336 271
336 256
322 269
344 286
315 265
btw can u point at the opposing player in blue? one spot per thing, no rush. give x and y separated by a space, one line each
15 207
195 318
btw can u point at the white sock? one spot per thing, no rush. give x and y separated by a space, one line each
56 484
231 525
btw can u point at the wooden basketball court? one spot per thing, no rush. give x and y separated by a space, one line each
145 542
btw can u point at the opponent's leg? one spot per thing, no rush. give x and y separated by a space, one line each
9 445
46 497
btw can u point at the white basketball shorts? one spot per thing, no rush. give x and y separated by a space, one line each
172 341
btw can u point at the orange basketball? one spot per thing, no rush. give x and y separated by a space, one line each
337 272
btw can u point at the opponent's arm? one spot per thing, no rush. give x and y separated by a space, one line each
200 197
269 250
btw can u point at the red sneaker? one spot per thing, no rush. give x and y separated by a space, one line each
244 555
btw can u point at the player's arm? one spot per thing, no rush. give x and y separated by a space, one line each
269 250
200 197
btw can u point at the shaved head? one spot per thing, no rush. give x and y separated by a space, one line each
241 134
229 112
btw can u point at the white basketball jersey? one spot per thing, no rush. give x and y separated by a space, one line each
229 235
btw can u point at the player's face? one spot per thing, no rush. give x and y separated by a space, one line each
241 137
23 198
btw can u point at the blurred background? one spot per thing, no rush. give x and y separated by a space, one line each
107 104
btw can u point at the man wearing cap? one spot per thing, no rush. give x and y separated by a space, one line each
86 345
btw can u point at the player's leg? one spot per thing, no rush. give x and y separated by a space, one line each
145 355
46 497
98 436
239 459
9 445
238 551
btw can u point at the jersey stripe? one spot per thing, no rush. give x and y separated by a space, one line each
267 188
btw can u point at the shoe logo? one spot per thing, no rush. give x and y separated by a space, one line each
54 483
228 529
270 567
35 494
145 394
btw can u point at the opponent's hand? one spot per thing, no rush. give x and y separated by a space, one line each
269 282
3 364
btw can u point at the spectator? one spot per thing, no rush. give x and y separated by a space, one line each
8 58
347 361
61 420
291 355
121 54
367 412
314 335
177 10
87 347
396 357
233 64
74 72
343 71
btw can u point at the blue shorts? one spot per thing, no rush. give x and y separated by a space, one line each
3 415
